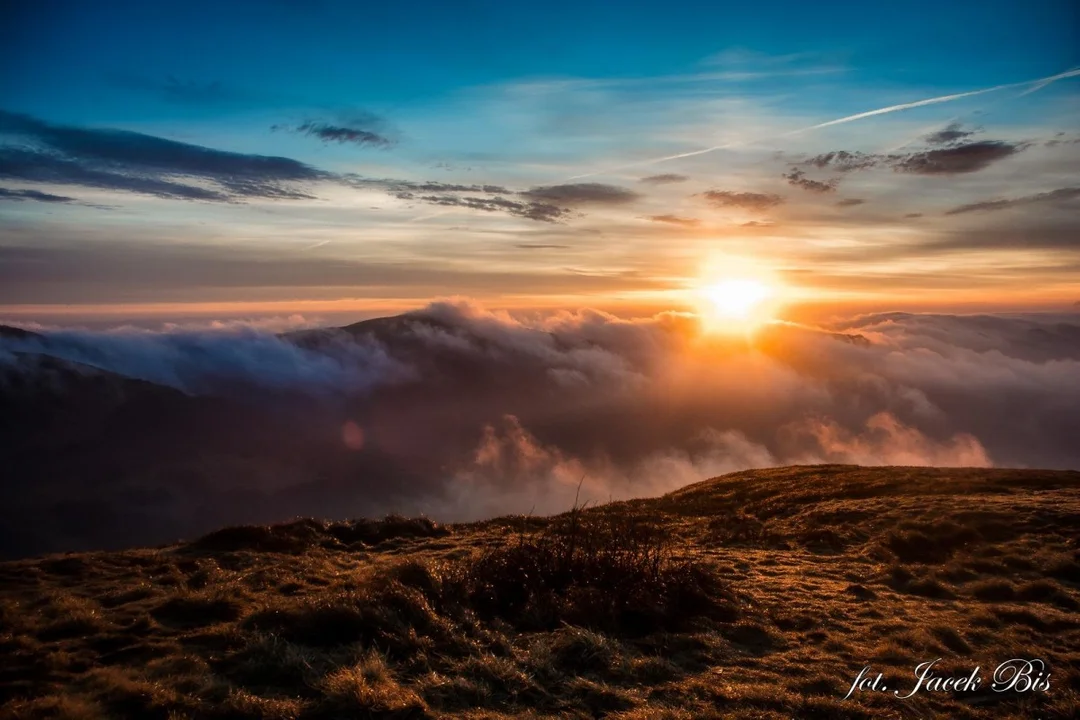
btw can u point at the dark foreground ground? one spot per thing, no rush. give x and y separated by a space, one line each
755 595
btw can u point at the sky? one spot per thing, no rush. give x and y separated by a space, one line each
171 160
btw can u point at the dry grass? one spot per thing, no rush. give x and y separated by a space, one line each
756 595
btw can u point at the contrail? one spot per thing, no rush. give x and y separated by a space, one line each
1037 85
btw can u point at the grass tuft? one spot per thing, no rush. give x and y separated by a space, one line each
603 571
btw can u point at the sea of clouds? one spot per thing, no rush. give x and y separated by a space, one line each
501 414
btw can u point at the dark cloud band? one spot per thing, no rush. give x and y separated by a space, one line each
582 194
753 201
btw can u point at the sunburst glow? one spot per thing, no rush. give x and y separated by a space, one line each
735 303
736 298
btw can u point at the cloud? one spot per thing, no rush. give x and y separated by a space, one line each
1061 195
574 194
675 220
227 357
340 134
543 212
467 412
405 185
887 441
798 178
135 162
541 246
664 179
949 134
1031 84
754 201
36 166
966 158
1062 139
6 194
361 128
513 471
957 158
1059 233
844 161
408 189
850 202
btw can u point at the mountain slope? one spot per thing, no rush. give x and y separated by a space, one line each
760 594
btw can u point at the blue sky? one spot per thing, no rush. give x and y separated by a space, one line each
545 129
68 59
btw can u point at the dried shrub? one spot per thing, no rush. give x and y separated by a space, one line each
614 573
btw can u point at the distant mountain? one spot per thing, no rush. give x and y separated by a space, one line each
6 331
94 459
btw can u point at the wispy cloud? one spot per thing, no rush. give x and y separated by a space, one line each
959 159
664 179
950 133
582 194
675 220
955 159
6 194
798 178
136 162
1062 195
532 210
363 129
1039 83
754 201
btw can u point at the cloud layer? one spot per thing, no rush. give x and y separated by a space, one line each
464 413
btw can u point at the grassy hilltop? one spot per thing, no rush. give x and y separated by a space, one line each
754 595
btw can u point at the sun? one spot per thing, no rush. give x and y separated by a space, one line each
735 303
736 298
